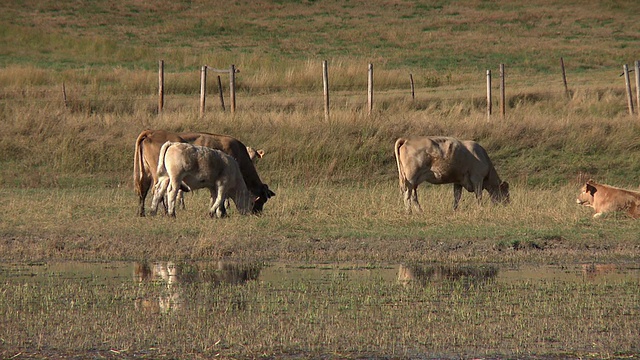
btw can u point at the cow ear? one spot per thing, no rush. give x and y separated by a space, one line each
266 192
591 189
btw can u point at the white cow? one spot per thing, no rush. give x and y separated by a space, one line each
254 155
446 160
183 166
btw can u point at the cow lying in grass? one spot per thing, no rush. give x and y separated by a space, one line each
604 198
187 167
446 160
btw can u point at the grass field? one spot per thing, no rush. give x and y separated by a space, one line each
66 172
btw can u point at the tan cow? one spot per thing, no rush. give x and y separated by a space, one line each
446 160
199 167
604 198
148 146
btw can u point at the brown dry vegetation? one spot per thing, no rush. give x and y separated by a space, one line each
65 172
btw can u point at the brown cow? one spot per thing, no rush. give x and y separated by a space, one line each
604 198
148 146
198 167
446 160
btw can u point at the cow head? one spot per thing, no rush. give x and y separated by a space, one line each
502 195
587 193
262 198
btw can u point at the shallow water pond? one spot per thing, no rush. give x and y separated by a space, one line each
171 272
164 308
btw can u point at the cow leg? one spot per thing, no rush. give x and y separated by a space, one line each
406 197
457 194
478 190
180 200
217 199
220 212
159 192
144 190
174 187
410 197
414 199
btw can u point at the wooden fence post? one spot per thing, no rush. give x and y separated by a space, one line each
232 88
203 89
489 104
220 91
160 86
232 85
625 67
503 106
370 89
564 79
325 87
413 88
64 95
637 70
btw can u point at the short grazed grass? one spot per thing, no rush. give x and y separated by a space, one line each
319 223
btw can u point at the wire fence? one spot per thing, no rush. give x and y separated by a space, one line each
519 86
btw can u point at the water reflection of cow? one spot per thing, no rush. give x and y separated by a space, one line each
591 271
424 274
172 277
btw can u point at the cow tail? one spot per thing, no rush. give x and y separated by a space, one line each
138 165
163 151
396 150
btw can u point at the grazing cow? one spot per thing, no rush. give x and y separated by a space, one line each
197 167
148 146
446 160
604 198
254 155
